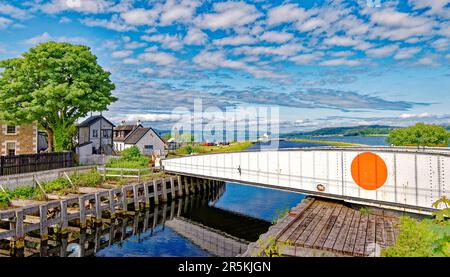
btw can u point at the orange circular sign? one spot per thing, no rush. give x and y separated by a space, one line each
369 171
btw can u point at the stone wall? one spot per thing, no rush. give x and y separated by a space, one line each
25 139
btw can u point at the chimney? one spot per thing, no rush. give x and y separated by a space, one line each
138 122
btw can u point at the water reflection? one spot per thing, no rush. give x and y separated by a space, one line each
220 223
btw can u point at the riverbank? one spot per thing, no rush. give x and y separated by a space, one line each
202 149
327 142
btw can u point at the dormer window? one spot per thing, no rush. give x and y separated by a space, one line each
11 129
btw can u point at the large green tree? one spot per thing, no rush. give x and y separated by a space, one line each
419 135
55 84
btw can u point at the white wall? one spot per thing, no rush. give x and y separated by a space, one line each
150 138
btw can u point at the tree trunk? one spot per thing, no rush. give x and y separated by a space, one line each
50 139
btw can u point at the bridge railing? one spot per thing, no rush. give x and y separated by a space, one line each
414 179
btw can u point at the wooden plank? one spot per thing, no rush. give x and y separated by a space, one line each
88 190
291 230
352 232
328 227
305 221
389 229
334 233
25 202
308 238
360 242
370 235
380 232
31 219
340 240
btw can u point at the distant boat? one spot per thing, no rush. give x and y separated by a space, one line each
264 138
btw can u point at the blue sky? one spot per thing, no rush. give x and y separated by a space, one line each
323 63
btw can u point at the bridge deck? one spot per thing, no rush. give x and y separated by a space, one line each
334 227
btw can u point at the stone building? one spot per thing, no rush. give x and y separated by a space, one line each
18 139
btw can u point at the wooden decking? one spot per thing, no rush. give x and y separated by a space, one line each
328 228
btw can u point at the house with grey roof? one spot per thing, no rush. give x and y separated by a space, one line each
146 139
95 136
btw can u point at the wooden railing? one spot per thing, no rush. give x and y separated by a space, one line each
125 172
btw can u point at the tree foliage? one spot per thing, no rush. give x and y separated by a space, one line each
419 135
55 84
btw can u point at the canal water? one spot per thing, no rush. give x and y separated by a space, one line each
242 212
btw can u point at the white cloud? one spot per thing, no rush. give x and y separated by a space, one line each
422 115
64 20
140 17
160 58
406 53
441 44
285 50
217 59
13 11
131 61
44 37
166 41
180 11
382 51
83 6
121 54
236 40
428 60
134 45
338 62
276 37
146 70
195 36
115 23
228 15
306 58
285 13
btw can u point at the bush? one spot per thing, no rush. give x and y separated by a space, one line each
4 200
423 238
25 193
131 154
56 185
91 179
419 135
131 158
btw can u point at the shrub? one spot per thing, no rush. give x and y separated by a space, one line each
4 200
25 193
416 239
56 185
131 154
91 179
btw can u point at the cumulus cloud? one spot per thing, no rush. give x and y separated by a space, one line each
44 37
195 36
276 37
228 15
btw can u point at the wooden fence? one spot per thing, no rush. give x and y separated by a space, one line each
18 164
125 172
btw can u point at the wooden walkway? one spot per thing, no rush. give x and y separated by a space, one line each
329 228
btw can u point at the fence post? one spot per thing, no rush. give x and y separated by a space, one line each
139 174
43 222
2 165
180 189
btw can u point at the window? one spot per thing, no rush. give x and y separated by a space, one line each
95 133
11 129
148 147
106 133
11 148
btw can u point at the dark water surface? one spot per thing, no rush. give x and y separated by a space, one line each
243 212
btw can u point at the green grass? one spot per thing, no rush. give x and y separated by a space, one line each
200 149
424 238
328 142
91 179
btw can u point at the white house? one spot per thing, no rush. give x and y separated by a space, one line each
146 139
95 136
121 132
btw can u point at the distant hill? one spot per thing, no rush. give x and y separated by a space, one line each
365 130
